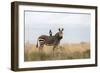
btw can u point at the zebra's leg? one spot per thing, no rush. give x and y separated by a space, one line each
41 48
41 52
41 42
54 49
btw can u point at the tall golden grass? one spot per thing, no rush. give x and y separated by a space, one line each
62 52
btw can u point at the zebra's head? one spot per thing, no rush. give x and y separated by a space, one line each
59 34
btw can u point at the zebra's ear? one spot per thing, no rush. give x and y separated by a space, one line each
59 29
50 32
62 29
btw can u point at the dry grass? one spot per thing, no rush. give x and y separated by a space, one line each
65 51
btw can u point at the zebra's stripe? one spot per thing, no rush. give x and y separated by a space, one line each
41 40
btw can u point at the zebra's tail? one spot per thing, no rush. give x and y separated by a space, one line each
37 44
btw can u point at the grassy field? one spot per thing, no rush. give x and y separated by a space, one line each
63 51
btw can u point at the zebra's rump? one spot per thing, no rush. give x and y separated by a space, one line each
47 40
41 41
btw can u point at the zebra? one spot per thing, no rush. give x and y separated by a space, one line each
51 40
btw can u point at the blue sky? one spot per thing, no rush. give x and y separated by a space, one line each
76 25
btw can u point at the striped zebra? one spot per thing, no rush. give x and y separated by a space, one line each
51 40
